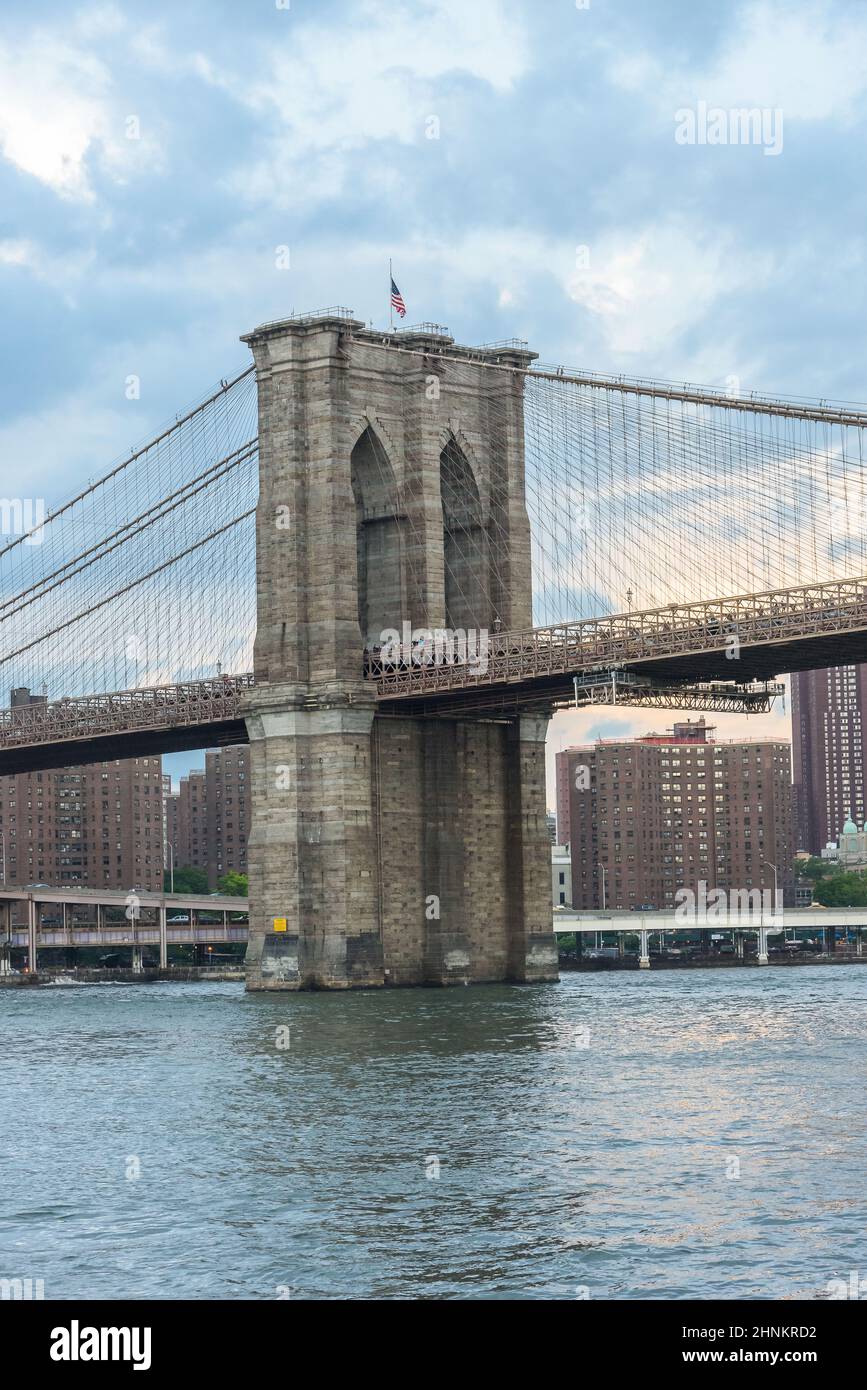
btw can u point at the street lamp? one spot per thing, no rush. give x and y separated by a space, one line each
776 897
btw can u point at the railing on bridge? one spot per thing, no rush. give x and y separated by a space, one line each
710 626
531 659
166 706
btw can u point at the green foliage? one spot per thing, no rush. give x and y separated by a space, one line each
187 880
842 890
233 885
813 868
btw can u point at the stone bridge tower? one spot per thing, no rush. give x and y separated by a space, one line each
388 850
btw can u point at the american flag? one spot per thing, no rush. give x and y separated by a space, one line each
397 300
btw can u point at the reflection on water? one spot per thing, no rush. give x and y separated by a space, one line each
708 1142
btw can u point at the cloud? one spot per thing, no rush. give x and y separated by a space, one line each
806 60
323 96
61 111
20 252
647 287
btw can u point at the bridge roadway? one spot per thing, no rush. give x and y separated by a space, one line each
741 922
39 904
670 656
150 924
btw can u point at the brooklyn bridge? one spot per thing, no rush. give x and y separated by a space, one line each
535 537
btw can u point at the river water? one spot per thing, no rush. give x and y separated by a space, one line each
680 1134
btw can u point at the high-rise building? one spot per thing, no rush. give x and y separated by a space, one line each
563 835
828 709
208 821
171 802
227 778
100 826
651 815
191 834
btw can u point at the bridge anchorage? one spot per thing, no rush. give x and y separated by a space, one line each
385 560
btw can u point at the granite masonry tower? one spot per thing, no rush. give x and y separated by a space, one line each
388 850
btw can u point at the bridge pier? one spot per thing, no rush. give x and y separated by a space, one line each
644 949
5 938
389 847
312 854
397 852
32 925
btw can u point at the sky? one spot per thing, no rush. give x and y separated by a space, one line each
522 162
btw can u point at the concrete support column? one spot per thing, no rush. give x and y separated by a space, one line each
32 924
137 962
644 949
164 949
763 945
739 945
6 938
858 941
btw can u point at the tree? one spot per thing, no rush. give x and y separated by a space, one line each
842 890
813 868
233 885
187 880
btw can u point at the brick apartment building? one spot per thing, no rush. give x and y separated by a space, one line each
208 821
100 826
828 713
647 816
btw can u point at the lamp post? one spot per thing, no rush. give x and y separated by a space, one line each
776 897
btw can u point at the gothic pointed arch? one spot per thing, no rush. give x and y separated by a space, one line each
465 542
379 538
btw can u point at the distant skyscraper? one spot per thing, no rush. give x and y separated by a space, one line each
828 752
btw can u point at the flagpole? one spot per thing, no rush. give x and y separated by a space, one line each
390 305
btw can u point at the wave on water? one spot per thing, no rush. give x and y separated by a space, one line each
68 982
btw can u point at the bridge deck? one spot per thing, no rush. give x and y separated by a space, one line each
750 637
673 650
144 933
